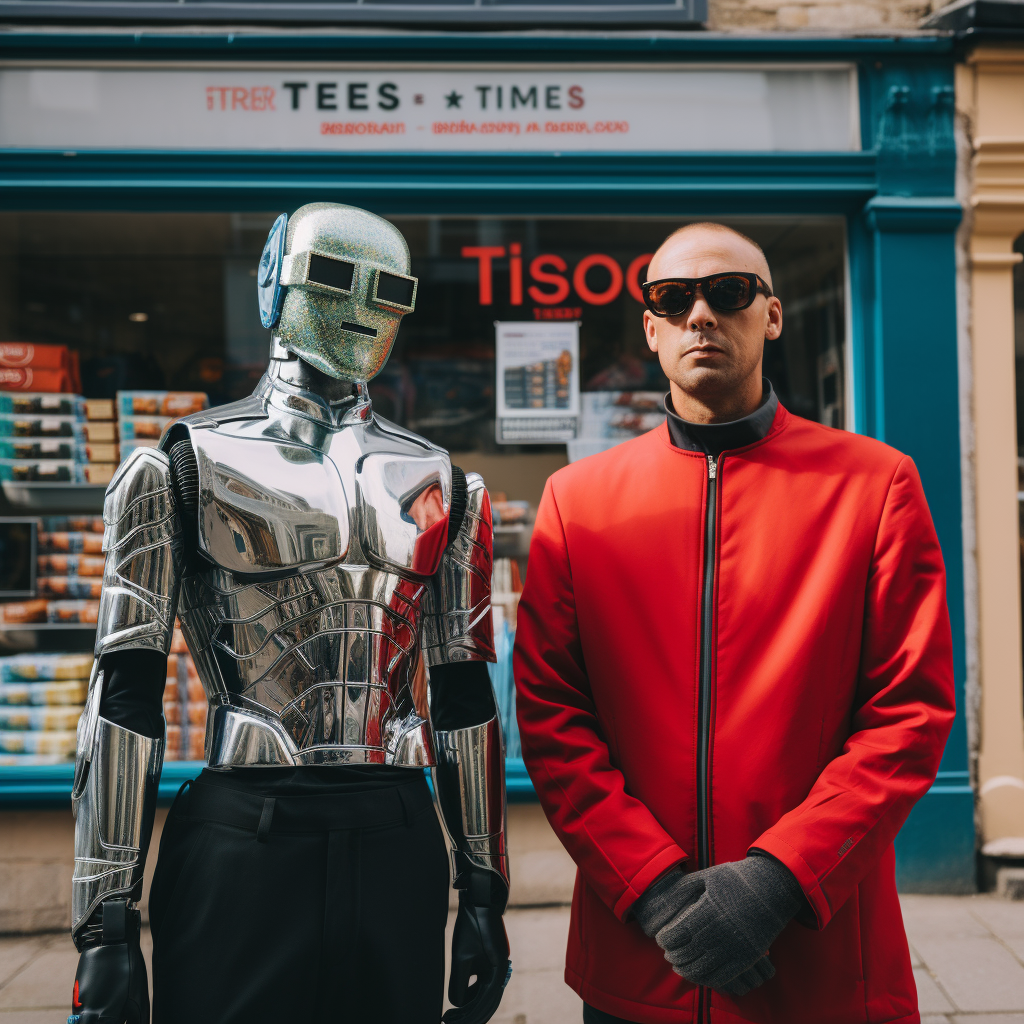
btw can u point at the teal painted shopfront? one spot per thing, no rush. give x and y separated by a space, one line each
532 173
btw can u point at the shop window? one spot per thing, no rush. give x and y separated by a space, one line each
156 300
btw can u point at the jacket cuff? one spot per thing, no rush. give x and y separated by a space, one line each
649 873
771 843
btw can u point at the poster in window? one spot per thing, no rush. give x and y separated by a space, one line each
538 385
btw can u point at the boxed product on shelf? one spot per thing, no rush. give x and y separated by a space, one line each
72 543
73 524
160 403
78 610
42 448
70 586
101 452
69 691
27 378
39 668
101 409
509 513
39 719
29 355
69 565
99 431
17 612
99 472
58 471
43 403
138 428
57 744
22 425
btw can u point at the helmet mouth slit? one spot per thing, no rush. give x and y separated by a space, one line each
368 332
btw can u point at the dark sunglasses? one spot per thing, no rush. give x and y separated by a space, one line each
673 296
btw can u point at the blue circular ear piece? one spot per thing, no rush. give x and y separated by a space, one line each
268 277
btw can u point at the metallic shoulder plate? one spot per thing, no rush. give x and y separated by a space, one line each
457 622
143 544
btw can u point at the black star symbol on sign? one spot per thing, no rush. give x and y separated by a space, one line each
454 99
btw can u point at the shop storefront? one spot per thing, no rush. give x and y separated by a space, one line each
532 175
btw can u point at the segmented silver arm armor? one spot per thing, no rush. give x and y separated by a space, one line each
469 779
117 770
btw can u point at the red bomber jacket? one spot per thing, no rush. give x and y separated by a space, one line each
821 722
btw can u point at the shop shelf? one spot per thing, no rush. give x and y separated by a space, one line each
50 785
48 499
47 636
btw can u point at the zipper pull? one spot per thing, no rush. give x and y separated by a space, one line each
712 467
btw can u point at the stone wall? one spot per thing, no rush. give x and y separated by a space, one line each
817 15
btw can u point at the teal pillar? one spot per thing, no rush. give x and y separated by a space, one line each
910 400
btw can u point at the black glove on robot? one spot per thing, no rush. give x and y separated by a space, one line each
716 925
480 947
111 985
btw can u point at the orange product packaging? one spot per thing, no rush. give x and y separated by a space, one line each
85 524
178 645
170 689
195 690
29 379
70 586
16 612
72 543
172 750
197 712
29 355
70 565
87 611
196 745
172 712
161 403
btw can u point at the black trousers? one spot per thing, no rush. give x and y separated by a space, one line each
300 908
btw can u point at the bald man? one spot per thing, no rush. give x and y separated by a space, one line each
734 680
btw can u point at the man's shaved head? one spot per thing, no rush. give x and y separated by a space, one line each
691 235
712 357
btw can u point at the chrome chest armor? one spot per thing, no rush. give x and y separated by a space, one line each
311 551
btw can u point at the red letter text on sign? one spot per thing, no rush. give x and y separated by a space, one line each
633 273
484 254
538 273
579 279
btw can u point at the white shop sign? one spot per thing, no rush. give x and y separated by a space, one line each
404 110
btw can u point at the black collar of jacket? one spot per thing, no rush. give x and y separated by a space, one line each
715 438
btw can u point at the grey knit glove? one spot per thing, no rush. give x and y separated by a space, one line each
716 925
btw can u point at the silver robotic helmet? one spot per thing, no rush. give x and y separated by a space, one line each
334 284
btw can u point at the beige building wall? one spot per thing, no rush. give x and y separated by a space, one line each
817 15
990 101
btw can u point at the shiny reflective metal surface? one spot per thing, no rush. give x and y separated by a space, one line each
457 622
469 782
346 333
143 545
321 526
113 801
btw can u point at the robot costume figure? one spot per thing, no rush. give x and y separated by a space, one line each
312 551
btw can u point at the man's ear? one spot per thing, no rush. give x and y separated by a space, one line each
650 331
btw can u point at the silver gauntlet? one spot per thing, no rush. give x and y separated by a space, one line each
114 799
470 783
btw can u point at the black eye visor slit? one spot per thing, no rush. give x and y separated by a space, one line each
727 292
396 291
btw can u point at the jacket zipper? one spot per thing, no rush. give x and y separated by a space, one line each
704 695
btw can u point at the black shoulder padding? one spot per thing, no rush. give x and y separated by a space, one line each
185 471
460 502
